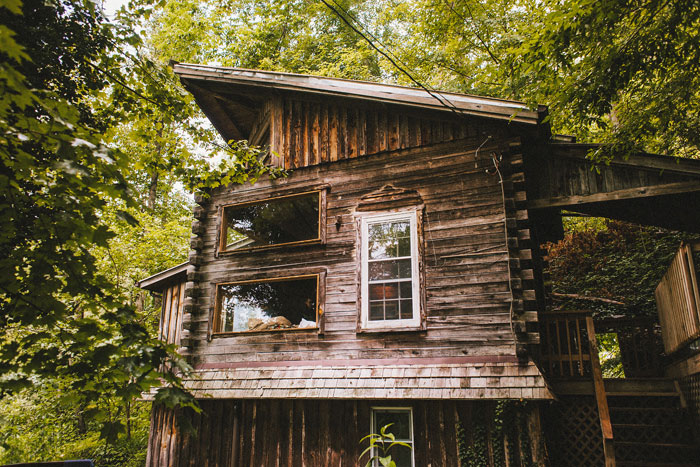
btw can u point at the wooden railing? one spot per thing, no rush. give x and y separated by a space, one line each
565 352
570 350
678 300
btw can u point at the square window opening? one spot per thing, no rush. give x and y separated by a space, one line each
267 305
286 220
399 422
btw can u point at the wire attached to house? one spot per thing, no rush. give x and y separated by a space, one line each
496 158
445 102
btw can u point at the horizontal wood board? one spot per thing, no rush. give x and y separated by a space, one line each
465 266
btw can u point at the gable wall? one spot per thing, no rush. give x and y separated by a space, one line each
308 131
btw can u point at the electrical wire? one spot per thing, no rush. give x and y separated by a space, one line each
445 102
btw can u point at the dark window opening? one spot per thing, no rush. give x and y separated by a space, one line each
267 305
276 221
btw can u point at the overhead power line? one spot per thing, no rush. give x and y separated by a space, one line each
445 102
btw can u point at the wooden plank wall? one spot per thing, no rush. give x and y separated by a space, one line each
170 328
307 132
312 433
678 301
466 261
567 173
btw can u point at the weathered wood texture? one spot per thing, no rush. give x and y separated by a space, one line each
361 379
472 266
320 433
170 328
678 301
307 131
644 188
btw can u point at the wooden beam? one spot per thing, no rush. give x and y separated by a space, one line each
601 398
261 125
215 111
628 193
643 161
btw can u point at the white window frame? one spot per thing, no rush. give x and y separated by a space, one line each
415 321
375 429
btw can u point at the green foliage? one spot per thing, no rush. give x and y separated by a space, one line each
379 448
622 262
491 427
44 424
620 72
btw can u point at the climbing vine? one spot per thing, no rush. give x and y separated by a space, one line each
492 428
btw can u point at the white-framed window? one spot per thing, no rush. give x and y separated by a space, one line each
401 420
390 289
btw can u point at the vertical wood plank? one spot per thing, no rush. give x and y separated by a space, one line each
342 132
277 130
298 441
287 139
426 132
414 136
601 398
404 141
361 132
351 132
383 130
247 431
305 158
295 148
314 137
324 134
333 130
393 131
372 132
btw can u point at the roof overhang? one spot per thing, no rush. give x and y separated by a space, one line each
157 282
643 188
212 87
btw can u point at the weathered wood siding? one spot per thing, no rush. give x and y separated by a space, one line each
307 131
170 328
473 258
326 433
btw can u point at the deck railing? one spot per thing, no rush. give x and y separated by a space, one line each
570 351
678 300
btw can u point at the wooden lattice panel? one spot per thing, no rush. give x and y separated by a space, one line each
690 385
573 433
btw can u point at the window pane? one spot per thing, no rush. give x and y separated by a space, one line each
391 309
400 420
405 246
405 268
376 291
261 306
401 455
376 311
406 289
272 222
391 290
383 270
406 309
384 238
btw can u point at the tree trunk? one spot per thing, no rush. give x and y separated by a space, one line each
152 190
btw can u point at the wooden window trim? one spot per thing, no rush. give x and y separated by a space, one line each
417 323
320 305
373 429
223 224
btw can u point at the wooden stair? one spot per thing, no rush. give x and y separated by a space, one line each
651 429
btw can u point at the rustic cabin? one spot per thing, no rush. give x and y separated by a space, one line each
395 276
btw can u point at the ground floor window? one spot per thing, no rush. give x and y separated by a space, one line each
267 305
400 420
